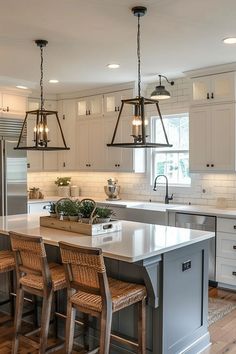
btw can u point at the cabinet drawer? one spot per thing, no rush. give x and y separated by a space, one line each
226 271
226 245
226 225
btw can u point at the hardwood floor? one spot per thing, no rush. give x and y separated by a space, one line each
222 332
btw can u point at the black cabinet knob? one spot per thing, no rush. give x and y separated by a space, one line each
208 95
28 165
207 165
212 165
212 95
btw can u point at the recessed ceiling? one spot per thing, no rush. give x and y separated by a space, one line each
176 35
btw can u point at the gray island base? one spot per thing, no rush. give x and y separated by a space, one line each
171 262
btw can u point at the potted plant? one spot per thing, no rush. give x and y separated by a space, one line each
63 184
51 207
62 208
103 214
86 210
72 209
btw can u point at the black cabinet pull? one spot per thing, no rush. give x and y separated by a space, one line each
234 247
208 95
234 227
212 165
234 273
64 164
115 109
118 165
212 95
89 112
28 165
64 117
86 112
118 108
207 165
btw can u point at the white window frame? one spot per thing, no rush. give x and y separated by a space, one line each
152 153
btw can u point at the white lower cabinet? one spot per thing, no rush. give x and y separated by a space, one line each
226 251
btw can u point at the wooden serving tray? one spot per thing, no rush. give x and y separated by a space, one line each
79 227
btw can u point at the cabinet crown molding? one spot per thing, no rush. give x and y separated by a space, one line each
211 70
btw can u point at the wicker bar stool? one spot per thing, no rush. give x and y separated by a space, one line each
93 293
7 265
35 276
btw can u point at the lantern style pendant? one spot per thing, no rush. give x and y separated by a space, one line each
139 103
40 133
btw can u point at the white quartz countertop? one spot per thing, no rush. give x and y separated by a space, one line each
136 241
204 209
154 206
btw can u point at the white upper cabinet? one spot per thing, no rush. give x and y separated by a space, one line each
90 153
112 102
90 106
212 138
13 103
213 88
67 116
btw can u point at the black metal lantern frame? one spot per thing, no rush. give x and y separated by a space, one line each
139 135
140 140
41 130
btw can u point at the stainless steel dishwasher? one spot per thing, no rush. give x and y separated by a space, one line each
201 222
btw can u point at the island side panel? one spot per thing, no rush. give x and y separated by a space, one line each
185 299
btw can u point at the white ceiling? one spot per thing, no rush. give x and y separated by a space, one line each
85 35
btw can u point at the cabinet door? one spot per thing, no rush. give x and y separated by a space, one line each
96 105
90 106
223 137
50 158
13 105
199 139
214 88
223 87
201 89
82 145
96 144
112 102
67 115
127 154
34 158
113 155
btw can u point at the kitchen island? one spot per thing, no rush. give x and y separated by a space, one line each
171 262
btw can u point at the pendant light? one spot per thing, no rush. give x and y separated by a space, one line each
139 103
160 93
40 133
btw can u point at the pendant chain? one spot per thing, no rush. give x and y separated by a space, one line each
139 61
41 80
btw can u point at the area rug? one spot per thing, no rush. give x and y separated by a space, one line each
218 308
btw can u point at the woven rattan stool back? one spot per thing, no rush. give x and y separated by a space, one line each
30 257
85 269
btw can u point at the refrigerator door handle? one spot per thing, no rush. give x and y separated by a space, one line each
3 180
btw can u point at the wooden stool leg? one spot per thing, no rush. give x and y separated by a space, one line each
105 331
85 331
45 320
70 327
11 290
18 319
142 327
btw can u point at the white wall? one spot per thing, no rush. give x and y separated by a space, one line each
204 189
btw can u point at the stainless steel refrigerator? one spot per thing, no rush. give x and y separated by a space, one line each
13 172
